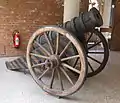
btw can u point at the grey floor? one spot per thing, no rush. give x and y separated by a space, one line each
16 87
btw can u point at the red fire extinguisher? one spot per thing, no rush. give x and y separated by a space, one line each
16 39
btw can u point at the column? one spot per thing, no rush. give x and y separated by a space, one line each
107 13
71 9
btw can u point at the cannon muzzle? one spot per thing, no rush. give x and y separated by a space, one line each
86 22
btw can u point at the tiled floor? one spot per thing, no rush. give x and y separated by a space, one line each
16 87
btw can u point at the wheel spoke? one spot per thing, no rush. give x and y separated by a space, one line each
57 43
95 52
67 76
38 55
94 59
52 78
70 67
94 45
91 67
43 49
43 73
49 35
38 65
49 43
34 60
65 48
89 37
60 79
75 62
72 57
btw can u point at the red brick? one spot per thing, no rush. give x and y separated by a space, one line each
25 16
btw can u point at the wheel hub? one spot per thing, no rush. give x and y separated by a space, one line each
53 61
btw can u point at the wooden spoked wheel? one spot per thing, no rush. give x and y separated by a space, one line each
97 52
53 72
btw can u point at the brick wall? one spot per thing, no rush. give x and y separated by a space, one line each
25 16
